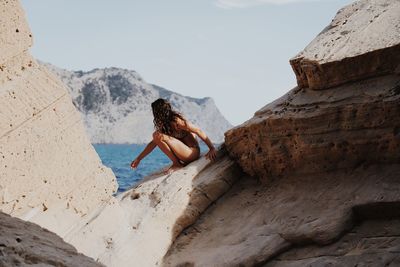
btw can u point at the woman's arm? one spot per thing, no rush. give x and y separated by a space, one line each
186 125
150 146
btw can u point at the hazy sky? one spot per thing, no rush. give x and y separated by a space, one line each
236 51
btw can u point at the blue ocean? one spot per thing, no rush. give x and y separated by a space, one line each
119 157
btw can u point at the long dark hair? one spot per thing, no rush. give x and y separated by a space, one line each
164 115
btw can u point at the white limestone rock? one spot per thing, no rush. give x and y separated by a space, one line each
51 175
141 225
361 41
27 244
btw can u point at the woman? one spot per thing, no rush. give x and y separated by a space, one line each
174 135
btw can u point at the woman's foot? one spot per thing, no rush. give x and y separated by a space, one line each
174 167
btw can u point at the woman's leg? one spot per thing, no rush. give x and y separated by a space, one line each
175 149
159 140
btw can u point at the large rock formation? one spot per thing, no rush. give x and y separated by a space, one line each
141 225
324 164
296 221
24 244
309 131
51 174
361 41
322 184
115 105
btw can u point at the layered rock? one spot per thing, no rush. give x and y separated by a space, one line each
23 244
309 131
321 186
323 165
298 219
361 41
372 243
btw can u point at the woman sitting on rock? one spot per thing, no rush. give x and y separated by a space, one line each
175 137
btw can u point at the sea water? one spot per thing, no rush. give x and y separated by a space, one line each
119 157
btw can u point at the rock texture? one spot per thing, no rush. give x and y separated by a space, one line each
51 175
115 105
361 41
302 216
15 35
139 227
322 184
309 131
323 165
48 168
371 243
25 244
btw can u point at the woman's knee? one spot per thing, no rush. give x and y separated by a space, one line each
158 136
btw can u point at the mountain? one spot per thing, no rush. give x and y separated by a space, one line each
115 105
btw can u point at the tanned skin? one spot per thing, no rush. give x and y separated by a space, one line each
180 151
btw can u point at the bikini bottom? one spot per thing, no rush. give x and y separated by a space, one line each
194 146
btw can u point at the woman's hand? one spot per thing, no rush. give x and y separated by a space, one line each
135 163
211 154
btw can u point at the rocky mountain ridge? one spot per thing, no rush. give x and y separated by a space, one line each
115 105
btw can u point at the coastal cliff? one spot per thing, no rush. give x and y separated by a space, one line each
115 105
52 176
50 173
323 160
311 180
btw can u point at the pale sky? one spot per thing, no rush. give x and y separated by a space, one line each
235 51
